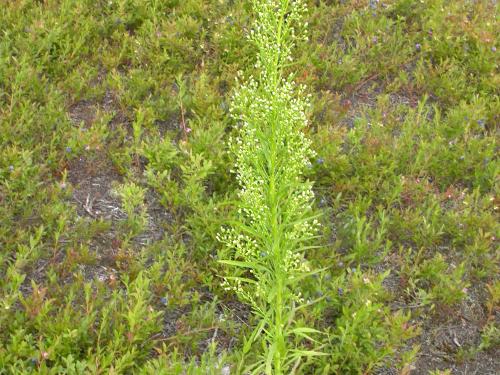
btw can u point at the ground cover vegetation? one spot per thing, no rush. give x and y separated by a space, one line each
117 182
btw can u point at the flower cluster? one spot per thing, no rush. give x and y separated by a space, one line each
271 153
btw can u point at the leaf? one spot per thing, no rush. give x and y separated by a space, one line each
269 359
307 353
243 279
307 274
255 368
241 264
304 332
256 332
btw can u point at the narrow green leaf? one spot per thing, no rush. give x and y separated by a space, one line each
241 264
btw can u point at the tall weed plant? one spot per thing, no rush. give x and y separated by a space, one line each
276 222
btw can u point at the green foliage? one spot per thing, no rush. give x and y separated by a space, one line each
132 97
365 333
275 220
172 363
132 197
447 285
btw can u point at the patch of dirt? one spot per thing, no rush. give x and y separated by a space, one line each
363 97
158 218
234 311
446 333
93 180
82 112
171 124
120 119
237 312
85 111
450 332
484 363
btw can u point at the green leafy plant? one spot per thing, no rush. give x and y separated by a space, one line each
276 222
132 197
366 334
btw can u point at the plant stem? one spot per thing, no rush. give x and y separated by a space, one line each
278 256
275 200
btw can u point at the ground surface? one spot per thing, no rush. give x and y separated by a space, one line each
114 181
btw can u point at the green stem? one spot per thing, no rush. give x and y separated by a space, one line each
277 258
279 276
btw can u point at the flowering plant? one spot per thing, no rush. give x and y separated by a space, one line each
276 222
